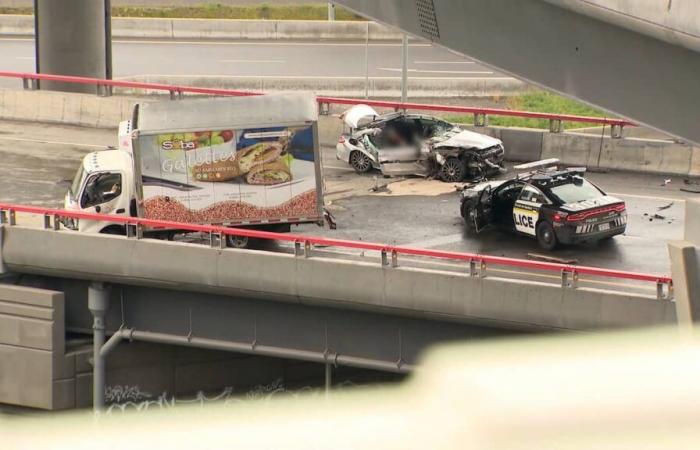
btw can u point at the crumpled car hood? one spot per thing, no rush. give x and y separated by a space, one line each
466 139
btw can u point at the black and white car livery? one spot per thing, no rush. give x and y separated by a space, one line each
552 205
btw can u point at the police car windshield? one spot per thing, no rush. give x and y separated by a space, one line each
572 193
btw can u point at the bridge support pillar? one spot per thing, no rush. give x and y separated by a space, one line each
685 267
73 37
98 303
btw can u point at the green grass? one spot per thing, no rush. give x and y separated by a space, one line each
537 101
214 11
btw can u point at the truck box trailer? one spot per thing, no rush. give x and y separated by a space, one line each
245 161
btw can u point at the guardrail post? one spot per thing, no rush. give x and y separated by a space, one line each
555 126
104 90
56 222
385 259
616 131
12 217
481 120
569 278
482 269
394 259
217 240
307 249
297 248
175 94
3 217
134 230
472 268
47 221
30 84
324 109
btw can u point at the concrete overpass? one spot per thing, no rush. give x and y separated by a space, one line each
636 58
312 304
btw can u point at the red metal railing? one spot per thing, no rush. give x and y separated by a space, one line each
175 89
386 250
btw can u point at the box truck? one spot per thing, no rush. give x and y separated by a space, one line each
244 162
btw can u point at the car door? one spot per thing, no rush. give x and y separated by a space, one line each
484 209
526 210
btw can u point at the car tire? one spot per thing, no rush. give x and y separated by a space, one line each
237 241
466 211
546 236
452 171
360 162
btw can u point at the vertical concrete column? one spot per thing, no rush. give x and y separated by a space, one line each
685 267
73 37
98 303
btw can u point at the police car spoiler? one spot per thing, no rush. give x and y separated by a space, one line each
546 168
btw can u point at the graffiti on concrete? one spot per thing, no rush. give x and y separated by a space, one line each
133 399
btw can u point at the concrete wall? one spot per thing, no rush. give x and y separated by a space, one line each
321 281
34 370
631 154
579 149
225 29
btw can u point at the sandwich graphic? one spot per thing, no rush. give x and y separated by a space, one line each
258 154
276 172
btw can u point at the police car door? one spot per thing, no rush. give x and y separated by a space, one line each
526 210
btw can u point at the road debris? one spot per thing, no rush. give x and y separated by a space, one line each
654 216
666 181
661 208
552 259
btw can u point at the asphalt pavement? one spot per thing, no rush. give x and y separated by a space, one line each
222 59
37 158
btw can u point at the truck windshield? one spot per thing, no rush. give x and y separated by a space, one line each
78 180
572 192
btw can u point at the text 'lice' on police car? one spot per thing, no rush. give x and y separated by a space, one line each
554 206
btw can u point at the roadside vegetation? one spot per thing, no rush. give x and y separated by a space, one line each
537 101
213 11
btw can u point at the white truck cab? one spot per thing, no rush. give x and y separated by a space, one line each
104 184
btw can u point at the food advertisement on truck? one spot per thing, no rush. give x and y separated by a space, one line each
231 176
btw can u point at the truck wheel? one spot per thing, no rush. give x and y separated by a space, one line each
452 171
360 162
546 236
236 241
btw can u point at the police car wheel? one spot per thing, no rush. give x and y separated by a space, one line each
360 162
468 216
546 236
453 170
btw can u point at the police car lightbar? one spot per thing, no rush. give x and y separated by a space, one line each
537 164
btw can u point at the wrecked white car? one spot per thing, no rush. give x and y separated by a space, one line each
412 144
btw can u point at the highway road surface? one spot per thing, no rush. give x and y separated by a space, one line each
413 212
263 59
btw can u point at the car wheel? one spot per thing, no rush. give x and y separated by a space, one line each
452 171
236 241
546 236
360 162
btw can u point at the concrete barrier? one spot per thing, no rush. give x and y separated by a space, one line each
347 86
628 154
320 281
161 28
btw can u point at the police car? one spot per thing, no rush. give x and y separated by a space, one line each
555 206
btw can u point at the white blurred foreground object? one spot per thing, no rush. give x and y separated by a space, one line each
633 390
